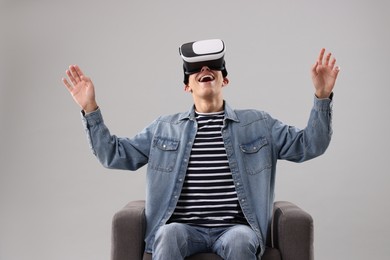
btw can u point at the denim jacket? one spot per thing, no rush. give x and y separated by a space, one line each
254 141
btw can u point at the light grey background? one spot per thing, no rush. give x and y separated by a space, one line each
56 201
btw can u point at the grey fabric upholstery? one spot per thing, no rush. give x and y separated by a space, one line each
292 231
290 236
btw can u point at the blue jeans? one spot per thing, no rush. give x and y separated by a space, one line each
175 241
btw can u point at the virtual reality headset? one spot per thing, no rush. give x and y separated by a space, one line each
197 54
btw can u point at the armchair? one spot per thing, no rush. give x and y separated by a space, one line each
290 235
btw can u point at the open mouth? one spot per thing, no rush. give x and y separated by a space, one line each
206 78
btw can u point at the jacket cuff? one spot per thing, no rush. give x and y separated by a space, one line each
92 118
323 103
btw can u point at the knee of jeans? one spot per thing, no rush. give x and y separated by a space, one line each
172 231
171 242
241 238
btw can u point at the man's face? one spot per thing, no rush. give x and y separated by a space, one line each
207 83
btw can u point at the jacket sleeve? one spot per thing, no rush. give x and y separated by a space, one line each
298 145
114 152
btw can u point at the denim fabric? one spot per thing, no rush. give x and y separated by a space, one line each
254 141
177 241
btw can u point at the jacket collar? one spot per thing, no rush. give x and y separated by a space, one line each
229 113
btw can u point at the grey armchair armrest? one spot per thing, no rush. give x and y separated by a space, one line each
128 232
292 231
291 234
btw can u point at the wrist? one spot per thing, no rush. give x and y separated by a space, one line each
90 108
322 95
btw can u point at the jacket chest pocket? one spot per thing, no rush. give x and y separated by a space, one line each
164 154
256 156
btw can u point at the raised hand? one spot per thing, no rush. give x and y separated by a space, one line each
324 74
81 88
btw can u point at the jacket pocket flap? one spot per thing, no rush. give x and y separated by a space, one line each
255 146
166 144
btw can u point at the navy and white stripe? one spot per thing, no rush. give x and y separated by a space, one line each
208 197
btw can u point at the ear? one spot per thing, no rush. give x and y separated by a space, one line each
225 82
187 88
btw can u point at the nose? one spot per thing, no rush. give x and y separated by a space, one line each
205 68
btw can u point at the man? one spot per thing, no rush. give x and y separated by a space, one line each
211 170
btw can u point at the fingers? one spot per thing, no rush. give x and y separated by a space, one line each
321 56
321 59
333 67
71 73
327 58
328 61
332 63
78 70
66 83
70 76
74 74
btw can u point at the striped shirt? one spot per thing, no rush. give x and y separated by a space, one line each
208 197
